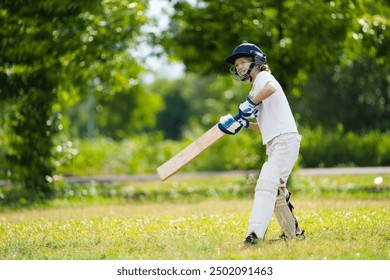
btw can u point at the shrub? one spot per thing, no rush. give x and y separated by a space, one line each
144 153
322 148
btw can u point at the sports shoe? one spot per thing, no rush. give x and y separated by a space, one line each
251 239
299 236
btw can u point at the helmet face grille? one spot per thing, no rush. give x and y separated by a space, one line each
243 77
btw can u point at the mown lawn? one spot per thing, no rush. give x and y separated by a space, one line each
339 225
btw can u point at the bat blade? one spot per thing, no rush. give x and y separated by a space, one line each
189 153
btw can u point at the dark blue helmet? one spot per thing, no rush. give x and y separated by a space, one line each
248 50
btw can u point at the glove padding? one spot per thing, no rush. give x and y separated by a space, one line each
248 109
230 125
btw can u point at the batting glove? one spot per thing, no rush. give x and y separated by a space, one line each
230 125
248 109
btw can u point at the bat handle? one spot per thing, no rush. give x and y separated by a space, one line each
224 130
237 117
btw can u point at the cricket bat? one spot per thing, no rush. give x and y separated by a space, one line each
190 152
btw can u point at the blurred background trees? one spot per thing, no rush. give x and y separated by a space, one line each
72 70
53 54
326 54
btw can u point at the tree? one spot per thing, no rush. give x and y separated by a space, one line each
117 116
294 34
51 52
301 39
195 101
357 88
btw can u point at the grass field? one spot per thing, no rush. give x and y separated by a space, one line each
350 219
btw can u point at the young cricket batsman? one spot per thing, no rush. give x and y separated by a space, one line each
268 104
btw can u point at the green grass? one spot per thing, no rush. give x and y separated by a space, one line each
340 224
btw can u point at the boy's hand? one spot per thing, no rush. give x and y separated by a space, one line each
230 125
248 109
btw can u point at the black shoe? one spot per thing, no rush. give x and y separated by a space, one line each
299 236
251 239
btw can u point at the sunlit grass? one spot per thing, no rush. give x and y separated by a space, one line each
345 217
212 229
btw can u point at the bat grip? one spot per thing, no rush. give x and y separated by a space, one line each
237 117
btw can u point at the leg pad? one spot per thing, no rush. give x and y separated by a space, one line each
264 200
284 214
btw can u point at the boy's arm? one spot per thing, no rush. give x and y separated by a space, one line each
254 126
248 108
264 93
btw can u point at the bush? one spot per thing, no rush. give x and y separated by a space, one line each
322 148
144 153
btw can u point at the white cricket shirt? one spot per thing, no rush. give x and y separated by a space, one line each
275 116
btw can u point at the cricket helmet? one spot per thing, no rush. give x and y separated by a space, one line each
247 50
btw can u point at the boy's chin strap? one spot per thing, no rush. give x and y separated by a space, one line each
247 74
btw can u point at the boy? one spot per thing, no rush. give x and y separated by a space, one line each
268 104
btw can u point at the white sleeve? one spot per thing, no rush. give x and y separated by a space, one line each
261 80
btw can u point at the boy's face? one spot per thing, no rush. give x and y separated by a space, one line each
242 65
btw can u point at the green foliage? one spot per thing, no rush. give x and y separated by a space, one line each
174 119
196 102
66 66
229 154
359 103
143 154
118 116
103 156
283 29
320 148
324 53
31 140
52 51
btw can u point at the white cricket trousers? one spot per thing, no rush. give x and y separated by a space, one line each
283 150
